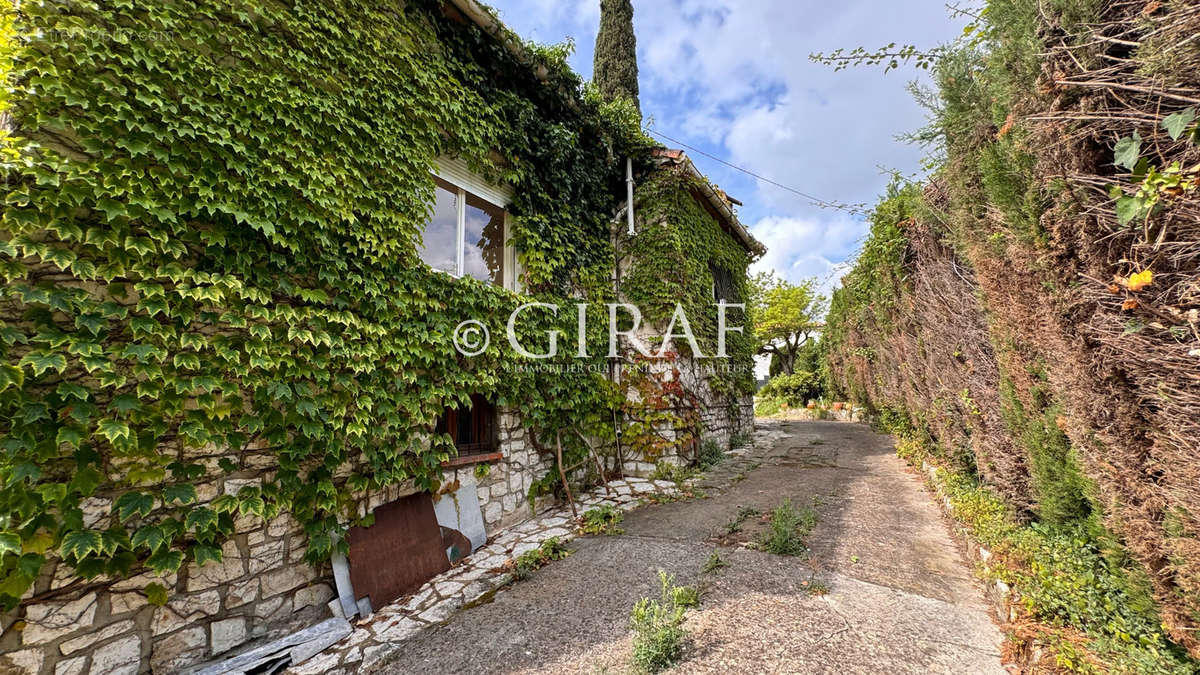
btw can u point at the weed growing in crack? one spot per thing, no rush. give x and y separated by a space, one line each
714 563
602 520
672 472
744 513
788 530
711 454
658 633
530 561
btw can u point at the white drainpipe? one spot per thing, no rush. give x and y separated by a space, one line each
629 192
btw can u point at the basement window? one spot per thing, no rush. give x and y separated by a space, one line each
473 430
467 232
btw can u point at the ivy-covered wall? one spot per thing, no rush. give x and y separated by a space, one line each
671 260
209 243
220 347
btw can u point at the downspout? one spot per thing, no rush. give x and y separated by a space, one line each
629 193
614 374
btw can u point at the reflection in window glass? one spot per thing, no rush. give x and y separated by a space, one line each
483 252
440 247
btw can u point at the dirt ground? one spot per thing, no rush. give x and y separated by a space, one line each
900 598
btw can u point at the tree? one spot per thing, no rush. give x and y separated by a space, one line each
785 317
615 70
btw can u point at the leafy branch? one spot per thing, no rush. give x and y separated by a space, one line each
891 57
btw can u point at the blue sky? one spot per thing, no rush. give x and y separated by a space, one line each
732 77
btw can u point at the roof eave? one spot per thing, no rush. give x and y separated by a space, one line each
722 206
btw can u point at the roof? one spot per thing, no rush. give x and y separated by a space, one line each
486 20
719 202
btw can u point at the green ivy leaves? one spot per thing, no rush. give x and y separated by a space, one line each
133 504
1154 187
1127 151
203 252
1176 124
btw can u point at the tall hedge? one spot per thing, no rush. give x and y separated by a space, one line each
1035 308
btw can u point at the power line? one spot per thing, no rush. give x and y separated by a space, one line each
850 208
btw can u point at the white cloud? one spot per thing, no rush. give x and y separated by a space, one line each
802 248
733 78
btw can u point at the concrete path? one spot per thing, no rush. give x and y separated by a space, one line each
900 598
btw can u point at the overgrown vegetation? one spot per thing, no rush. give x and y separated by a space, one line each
1029 311
788 529
658 633
531 561
1071 575
602 520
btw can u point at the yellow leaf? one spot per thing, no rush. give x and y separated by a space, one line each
1140 280
38 543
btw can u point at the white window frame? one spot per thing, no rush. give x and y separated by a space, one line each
455 172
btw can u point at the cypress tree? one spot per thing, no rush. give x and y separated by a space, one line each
615 65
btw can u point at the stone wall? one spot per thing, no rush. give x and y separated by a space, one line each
722 418
261 590
503 491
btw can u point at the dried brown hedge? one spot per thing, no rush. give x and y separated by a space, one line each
988 308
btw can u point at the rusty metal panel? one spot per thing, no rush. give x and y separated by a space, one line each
401 551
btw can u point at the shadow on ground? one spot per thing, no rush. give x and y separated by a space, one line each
900 598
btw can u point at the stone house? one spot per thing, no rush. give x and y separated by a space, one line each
262 588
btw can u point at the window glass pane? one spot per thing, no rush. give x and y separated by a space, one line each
440 247
471 428
483 254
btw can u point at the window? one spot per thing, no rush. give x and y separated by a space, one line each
465 235
440 249
473 428
723 288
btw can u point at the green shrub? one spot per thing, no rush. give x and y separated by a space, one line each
1071 575
788 530
685 596
1058 483
658 633
739 441
766 407
795 389
602 520
711 454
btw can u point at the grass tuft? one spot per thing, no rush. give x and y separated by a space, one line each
788 530
658 633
